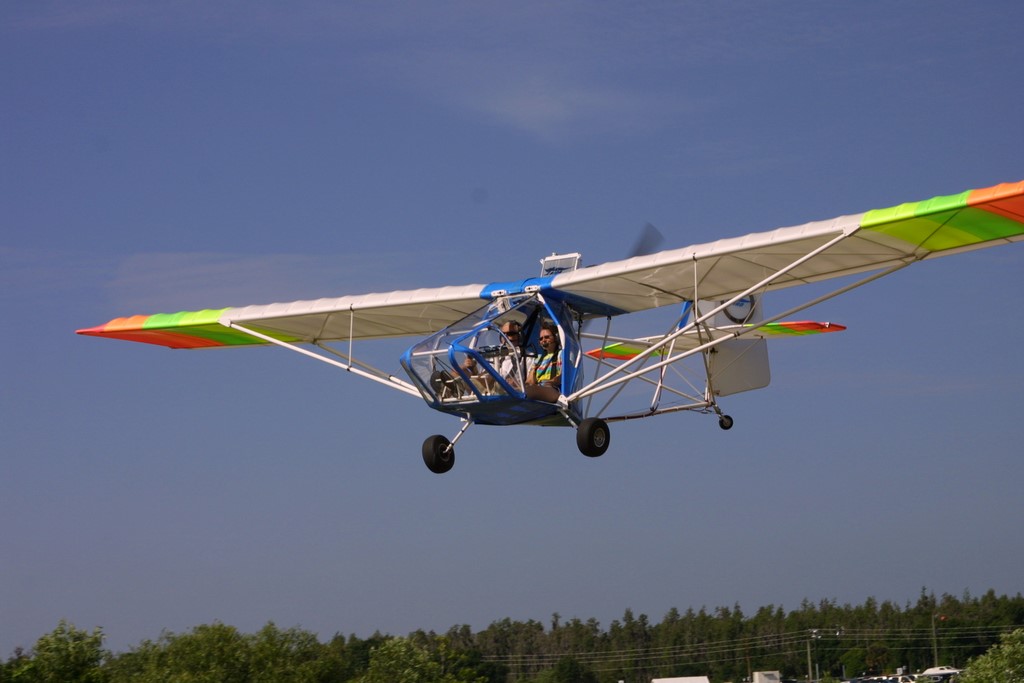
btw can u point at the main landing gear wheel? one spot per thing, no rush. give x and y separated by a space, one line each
593 437
725 422
438 454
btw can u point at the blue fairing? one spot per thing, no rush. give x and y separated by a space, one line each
514 287
550 294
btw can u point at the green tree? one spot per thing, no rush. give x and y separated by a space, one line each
65 655
219 653
351 658
877 657
214 653
1003 663
854 661
398 660
568 670
290 656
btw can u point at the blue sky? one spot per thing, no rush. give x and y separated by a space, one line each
164 156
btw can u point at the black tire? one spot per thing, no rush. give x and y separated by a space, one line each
593 437
725 422
438 455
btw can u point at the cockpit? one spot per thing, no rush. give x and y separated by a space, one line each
479 367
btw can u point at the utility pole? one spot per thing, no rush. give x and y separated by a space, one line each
810 670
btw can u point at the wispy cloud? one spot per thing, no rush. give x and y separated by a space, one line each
543 69
170 282
553 71
167 282
548 69
36 275
93 14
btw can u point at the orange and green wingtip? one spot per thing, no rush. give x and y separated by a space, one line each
1006 200
185 330
954 221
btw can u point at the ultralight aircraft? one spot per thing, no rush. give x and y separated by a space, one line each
488 350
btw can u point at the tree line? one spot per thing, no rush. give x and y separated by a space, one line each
824 639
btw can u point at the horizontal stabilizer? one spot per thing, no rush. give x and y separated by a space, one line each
795 328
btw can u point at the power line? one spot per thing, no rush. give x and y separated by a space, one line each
785 644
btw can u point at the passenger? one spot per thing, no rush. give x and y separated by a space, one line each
545 382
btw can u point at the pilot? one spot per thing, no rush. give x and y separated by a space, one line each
510 366
481 380
545 381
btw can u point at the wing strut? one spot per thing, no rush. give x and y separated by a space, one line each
364 370
606 382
